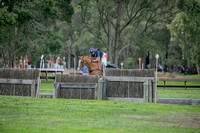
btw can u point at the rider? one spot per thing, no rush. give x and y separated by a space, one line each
100 55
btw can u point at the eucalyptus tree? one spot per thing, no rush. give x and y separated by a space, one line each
91 20
53 16
117 15
72 33
13 18
30 27
185 28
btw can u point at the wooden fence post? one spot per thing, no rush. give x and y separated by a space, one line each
56 90
38 86
150 90
153 91
145 84
33 89
100 89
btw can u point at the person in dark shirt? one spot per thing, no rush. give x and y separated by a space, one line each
99 55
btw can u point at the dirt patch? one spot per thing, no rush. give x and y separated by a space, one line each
182 124
193 118
182 120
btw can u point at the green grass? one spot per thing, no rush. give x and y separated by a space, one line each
47 86
189 93
189 76
18 114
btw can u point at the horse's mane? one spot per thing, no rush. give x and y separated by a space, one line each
87 57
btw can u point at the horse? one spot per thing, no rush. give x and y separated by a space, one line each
94 68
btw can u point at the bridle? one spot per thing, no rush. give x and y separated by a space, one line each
82 63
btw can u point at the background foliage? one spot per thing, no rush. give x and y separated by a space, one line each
125 29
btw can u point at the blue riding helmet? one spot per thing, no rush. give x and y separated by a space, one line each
92 50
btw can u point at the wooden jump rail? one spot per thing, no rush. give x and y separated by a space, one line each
100 88
179 80
80 86
148 84
21 81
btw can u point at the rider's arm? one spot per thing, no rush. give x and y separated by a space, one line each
98 56
97 59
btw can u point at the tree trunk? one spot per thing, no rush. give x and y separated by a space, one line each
109 38
198 69
10 59
69 57
166 57
167 48
153 66
117 32
71 50
13 61
3 58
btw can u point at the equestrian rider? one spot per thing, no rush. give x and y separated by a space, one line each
100 55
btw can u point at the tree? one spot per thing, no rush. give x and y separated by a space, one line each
32 26
185 29
13 18
116 16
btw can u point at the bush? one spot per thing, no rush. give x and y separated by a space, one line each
129 63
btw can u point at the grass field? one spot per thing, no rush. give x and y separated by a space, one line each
189 93
18 114
47 86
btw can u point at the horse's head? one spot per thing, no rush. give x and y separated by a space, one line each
81 62
84 60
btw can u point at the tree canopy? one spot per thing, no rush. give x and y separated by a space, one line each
125 29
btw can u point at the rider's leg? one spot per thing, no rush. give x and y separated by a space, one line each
104 60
